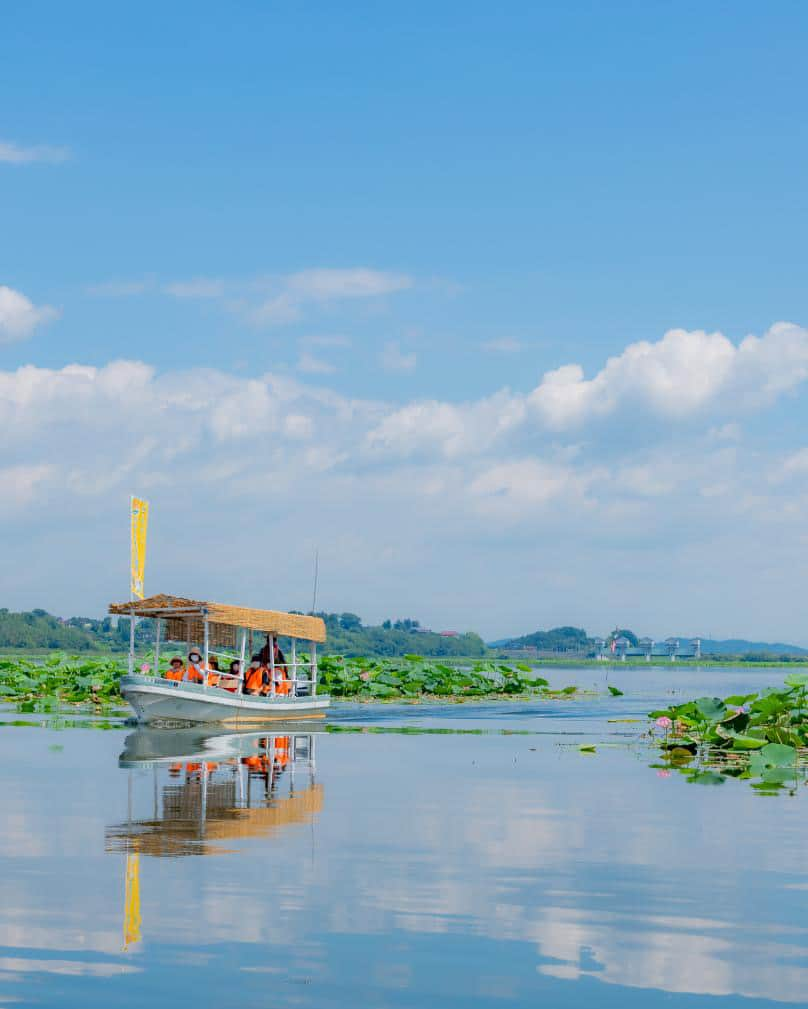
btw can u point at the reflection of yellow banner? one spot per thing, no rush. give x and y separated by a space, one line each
131 906
140 521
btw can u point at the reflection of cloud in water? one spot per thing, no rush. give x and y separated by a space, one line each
666 955
26 965
501 870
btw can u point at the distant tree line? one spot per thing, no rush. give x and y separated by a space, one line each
346 635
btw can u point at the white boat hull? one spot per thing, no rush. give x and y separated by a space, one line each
158 700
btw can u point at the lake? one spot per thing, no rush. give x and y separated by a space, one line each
481 861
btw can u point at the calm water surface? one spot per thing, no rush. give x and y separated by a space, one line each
374 869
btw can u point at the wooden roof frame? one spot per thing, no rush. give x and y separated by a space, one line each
289 625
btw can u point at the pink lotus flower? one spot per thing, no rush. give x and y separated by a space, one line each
145 667
364 676
663 774
664 722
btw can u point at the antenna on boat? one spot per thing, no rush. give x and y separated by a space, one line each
316 572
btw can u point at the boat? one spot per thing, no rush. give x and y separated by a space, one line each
231 630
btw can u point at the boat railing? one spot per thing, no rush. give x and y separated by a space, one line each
187 686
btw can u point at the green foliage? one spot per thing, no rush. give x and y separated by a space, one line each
60 679
346 635
39 631
558 639
763 735
414 676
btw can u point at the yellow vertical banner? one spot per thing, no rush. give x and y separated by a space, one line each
140 522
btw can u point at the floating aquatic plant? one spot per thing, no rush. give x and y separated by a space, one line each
761 736
413 676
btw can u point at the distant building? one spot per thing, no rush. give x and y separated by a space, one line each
450 634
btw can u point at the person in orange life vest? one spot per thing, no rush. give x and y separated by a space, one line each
279 657
213 671
256 680
195 670
282 685
175 670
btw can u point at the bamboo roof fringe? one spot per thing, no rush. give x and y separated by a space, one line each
290 625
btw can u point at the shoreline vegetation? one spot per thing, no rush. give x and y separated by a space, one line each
60 679
761 737
37 633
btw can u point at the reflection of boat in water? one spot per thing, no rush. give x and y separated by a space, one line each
191 792
218 696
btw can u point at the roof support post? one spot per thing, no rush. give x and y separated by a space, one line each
159 624
294 667
242 666
206 648
313 668
131 642
272 664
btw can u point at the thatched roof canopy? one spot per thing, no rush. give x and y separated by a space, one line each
290 625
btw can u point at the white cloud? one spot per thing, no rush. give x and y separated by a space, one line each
392 358
325 340
490 480
503 345
451 430
684 373
118 288
291 293
21 484
511 488
358 282
19 317
199 287
17 154
311 365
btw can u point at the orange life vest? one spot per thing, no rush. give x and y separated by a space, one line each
175 674
194 675
255 679
283 684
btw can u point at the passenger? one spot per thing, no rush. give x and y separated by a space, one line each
282 683
281 677
278 656
195 671
232 678
175 670
257 679
213 671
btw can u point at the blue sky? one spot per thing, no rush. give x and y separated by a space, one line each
396 221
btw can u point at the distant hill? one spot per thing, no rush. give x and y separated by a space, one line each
558 639
567 639
739 646
39 630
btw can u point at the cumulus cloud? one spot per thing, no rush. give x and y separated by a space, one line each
312 462
684 373
19 317
18 154
452 430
